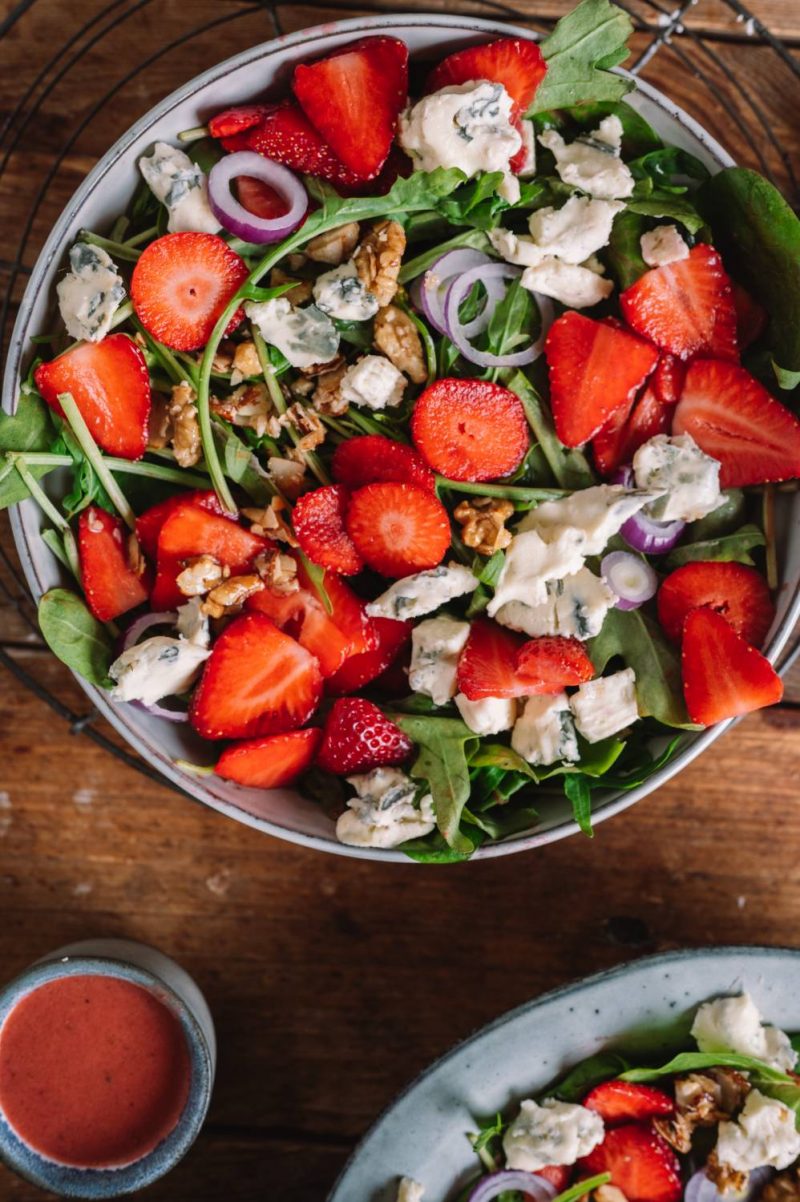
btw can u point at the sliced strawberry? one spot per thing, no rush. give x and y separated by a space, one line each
371 458
619 440
398 529
686 307
110 584
182 283
235 121
110 384
557 1174
723 676
354 97
319 524
283 133
487 667
271 762
640 1162
734 590
191 531
302 615
549 664
595 371
732 417
346 609
357 670
258 681
625 1102
470 429
149 523
668 378
751 317
259 198
358 737
516 63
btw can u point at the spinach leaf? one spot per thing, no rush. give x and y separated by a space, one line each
722 520
640 768
420 191
476 203
29 428
636 639
444 746
514 322
669 167
475 239
75 635
624 251
588 1073
579 794
13 488
434 850
689 1062
638 135
579 51
570 468
674 208
734 547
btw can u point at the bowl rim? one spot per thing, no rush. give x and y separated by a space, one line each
194 788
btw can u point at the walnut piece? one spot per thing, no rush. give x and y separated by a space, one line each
271 522
335 246
248 406
298 294
726 1179
229 596
395 334
378 259
305 422
483 522
160 427
287 475
246 360
185 428
707 1098
278 571
328 392
200 574
676 1130
223 358
783 1188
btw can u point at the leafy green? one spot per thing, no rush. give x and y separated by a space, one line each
722 520
474 239
579 794
29 428
624 251
584 1188
570 468
241 465
668 167
477 203
770 1081
74 635
588 1073
420 191
579 51
515 321
674 208
635 638
486 1143
729 547
434 850
638 136
444 745
787 380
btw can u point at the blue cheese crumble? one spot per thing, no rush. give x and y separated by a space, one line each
544 733
557 1133
373 382
733 1024
156 668
764 1134
415 596
488 715
306 337
591 517
662 246
436 645
383 813
341 294
90 294
182 186
592 162
605 706
687 478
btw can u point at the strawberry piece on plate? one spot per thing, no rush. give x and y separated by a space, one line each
595 371
346 609
182 283
470 429
487 667
398 529
149 523
751 317
732 417
319 525
236 120
282 132
357 670
626 1102
354 97
723 676
191 531
550 663
685 308
371 459
302 615
738 592
271 762
619 440
516 63
358 737
259 198
110 584
257 681
667 380
110 384
557 1174
640 1162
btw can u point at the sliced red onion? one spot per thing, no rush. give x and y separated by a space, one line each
631 578
699 1188
529 1184
137 628
430 290
161 711
235 217
623 475
457 332
650 537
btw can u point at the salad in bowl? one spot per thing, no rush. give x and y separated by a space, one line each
421 430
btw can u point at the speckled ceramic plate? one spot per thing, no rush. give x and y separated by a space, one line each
646 1006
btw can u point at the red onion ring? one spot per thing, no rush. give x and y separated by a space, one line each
235 217
429 292
161 711
618 567
137 628
530 1184
699 1188
642 532
457 333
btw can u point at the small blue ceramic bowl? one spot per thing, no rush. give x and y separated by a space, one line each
145 966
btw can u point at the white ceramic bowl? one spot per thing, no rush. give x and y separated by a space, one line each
103 195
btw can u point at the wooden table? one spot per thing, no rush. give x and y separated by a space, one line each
333 982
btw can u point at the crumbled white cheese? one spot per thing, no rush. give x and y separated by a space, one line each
155 668
591 515
306 337
489 715
592 162
688 478
733 1024
533 620
553 1133
341 294
436 645
528 168
409 1190
90 293
764 1134
544 732
182 186
420 594
663 245
374 382
530 563
192 623
574 607
574 286
516 249
383 813
577 230
604 706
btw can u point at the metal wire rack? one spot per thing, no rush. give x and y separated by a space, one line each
741 98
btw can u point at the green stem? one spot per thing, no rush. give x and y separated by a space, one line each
279 401
178 373
121 314
39 495
93 454
193 135
118 250
153 471
145 236
508 491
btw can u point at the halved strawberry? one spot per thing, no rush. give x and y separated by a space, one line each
110 384
550 663
620 439
640 1162
346 609
259 198
595 370
358 737
557 1174
319 524
625 1102
258 681
270 762
516 63
371 458
398 529
357 670
470 429
109 583
236 120
487 667
191 531
685 308
149 523
738 592
733 418
354 97
282 132
667 380
751 317
723 676
302 615
182 283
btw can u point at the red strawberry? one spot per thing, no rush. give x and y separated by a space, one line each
595 370
319 524
149 523
283 133
371 458
258 681
487 666
191 531
470 429
180 286
620 439
302 615
259 198
751 317
668 378
358 737
398 529
737 592
625 1102
271 762
357 670
733 418
686 307
557 1174
110 584
723 676
110 384
353 98
640 1162
346 609
516 63
235 121
549 664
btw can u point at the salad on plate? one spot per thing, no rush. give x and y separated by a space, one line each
422 434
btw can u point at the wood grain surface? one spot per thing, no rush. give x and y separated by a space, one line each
333 982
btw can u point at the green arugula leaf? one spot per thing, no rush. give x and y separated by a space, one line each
29 428
444 745
638 641
420 191
583 1189
735 547
570 468
74 635
588 1073
579 794
434 850
787 380
13 488
578 51
241 465
624 251
477 203
515 321
668 167
474 239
